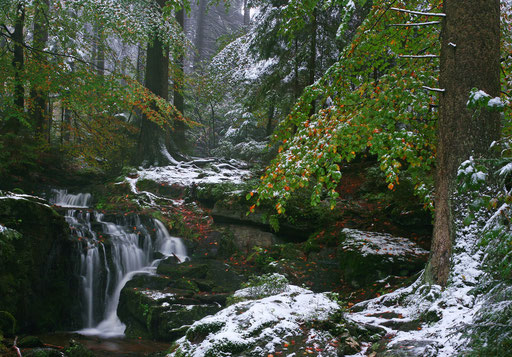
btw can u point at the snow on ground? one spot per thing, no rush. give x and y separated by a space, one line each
191 173
259 327
198 171
453 307
371 243
20 196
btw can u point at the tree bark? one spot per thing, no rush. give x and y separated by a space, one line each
178 135
199 40
39 97
99 44
13 124
470 55
247 13
312 55
156 80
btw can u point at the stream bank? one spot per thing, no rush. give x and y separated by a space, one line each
204 203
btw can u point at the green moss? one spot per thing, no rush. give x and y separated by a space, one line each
76 349
226 347
198 333
7 323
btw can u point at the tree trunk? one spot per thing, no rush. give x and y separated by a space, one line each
39 97
470 58
271 113
178 135
247 13
312 55
157 74
199 40
13 123
99 44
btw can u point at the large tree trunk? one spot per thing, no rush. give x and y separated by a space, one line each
199 40
156 77
13 123
39 97
178 134
470 55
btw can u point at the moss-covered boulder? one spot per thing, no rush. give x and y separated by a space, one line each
162 307
37 282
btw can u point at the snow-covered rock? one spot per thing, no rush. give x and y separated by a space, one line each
284 323
368 256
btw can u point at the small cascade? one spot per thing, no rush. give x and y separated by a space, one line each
115 249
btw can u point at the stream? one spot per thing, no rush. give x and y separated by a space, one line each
115 249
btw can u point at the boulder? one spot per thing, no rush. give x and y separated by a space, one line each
37 261
368 256
162 307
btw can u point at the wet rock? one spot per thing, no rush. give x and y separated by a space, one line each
411 348
162 307
76 349
214 275
48 352
246 238
37 283
7 324
368 256
30 342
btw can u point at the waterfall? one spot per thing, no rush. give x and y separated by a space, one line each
115 250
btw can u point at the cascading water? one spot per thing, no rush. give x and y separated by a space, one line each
115 250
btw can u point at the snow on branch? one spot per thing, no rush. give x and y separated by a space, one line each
418 56
441 90
417 24
440 14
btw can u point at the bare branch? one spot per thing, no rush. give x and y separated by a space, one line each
418 56
440 14
417 24
440 90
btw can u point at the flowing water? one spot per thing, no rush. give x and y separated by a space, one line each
115 249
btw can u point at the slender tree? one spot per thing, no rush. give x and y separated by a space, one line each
40 98
470 58
18 62
178 135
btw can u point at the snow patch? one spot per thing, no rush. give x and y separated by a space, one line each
259 326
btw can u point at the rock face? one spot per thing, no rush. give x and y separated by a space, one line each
37 255
368 256
162 307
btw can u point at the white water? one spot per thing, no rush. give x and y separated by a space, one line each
114 254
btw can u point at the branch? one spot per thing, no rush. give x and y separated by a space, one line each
15 347
417 24
440 14
55 54
440 90
418 56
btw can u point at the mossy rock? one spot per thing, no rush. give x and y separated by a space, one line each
226 348
7 323
76 349
37 283
30 342
212 275
43 352
197 333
